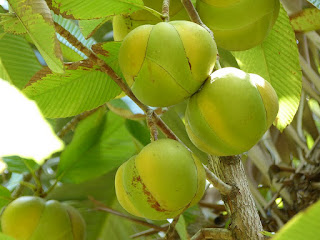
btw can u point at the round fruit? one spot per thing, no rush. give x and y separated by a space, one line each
239 24
161 181
167 62
32 218
122 25
231 112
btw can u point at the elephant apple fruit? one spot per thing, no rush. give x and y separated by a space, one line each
167 62
161 181
231 112
33 218
123 24
239 24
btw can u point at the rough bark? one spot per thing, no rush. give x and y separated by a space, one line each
245 221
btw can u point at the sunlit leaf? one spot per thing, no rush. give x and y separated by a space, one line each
304 225
81 88
37 20
75 9
306 20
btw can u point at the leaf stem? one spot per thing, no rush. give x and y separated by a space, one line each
165 10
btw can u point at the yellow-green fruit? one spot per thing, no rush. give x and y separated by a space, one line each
122 25
167 62
231 112
161 181
32 218
239 24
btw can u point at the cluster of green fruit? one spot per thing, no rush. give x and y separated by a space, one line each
32 218
228 110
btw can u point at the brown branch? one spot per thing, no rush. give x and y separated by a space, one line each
165 10
152 126
216 207
245 221
101 207
148 232
213 234
114 76
172 229
223 188
74 122
194 16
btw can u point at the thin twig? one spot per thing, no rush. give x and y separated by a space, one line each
194 16
172 228
223 188
148 232
101 207
213 233
165 10
152 126
74 122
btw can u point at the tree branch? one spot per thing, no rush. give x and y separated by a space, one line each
213 234
194 16
245 221
223 188
104 208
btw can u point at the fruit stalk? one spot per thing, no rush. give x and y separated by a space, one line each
165 10
193 14
245 221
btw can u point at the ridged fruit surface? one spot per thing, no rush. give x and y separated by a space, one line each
32 218
167 62
161 181
231 112
122 25
239 24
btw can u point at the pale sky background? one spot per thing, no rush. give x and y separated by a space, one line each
4 4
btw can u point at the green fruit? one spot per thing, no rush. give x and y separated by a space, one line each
161 181
32 218
122 25
167 62
239 24
231 112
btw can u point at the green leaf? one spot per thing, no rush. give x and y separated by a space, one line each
174 122
117 228
139 131
316 3
20 165
89 27
5 197
109 52
5 237
36 18
29 136
98 146
181 228
306 20
18 62
81 88
75 31
12 24
227 59
304 225
101 189
75 9
277 61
